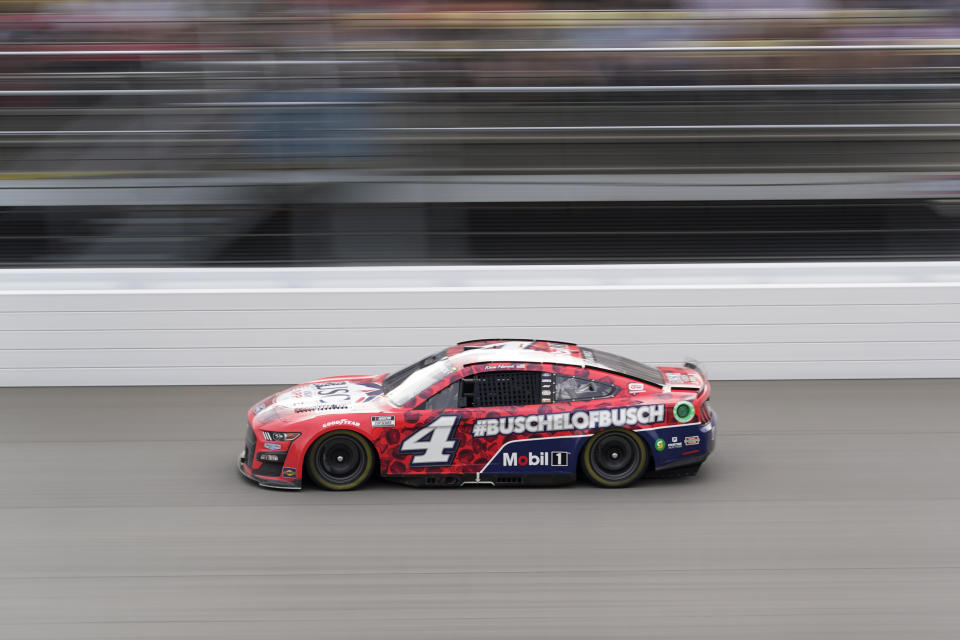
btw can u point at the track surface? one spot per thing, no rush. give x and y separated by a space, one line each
122 516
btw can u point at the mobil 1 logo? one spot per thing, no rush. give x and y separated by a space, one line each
536 459
546 456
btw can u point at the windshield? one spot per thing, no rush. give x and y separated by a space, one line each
418 381
393 380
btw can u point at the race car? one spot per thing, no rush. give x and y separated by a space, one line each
489 412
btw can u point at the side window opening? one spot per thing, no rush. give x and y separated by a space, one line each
446 398
501 388
573 388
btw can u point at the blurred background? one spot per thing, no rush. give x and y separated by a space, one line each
318 133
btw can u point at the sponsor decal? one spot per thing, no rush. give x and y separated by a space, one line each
289 472
331 393
546 387
683 411
344 421
660 445
557 454
692 441
370 392
272 445
383 421
682 378
505 365
570 421
635 387
534 459
328 396
674 443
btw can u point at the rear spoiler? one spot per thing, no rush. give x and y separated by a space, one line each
696 366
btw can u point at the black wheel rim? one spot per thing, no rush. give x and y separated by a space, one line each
340 459
615 456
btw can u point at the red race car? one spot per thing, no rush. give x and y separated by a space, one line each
495 412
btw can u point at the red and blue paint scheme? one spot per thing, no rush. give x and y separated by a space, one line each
439 421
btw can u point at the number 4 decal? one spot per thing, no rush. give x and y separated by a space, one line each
433 444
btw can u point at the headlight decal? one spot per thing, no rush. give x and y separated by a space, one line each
281 436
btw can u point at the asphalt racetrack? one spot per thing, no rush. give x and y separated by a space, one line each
829 509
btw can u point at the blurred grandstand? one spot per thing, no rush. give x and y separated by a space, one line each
344 132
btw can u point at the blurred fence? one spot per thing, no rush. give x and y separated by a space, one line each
323 85
214 110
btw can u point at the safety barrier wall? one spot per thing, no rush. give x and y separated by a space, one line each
277 326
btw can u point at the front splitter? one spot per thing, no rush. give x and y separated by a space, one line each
271 483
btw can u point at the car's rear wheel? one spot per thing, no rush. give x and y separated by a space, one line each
340 460
614 458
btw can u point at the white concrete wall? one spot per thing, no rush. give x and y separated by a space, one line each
235 326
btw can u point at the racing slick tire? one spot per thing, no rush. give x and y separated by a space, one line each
340 461
614 458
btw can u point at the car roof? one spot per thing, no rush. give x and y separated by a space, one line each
515 350
548 352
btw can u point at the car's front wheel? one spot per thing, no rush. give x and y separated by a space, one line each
614 458
340 460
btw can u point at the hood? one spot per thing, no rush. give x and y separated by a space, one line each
346 394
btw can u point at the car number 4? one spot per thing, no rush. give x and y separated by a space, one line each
432 444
